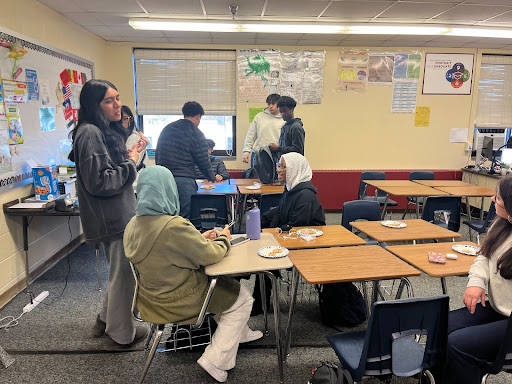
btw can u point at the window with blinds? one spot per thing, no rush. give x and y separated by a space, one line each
494 109
165 79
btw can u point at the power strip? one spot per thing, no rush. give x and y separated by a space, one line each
30 306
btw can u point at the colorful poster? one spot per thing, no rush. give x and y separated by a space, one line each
407 66
413 66
253 112
404 96
15 91
381 69
448 73
353 71
47 119
2 108
422 117
32 84
258 73
45 92
12 113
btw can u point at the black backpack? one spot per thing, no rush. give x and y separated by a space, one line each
265 165
327 373
341 304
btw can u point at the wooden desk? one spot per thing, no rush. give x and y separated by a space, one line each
244 181
443 183
416 230
389 183
244 259
334 236
265 189
417 256
470 191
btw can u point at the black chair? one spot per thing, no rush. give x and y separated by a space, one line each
209 211
443 206
389 346
417 175
360 210
503 361
480 226
380 195
269 201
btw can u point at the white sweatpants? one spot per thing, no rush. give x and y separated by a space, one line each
231 327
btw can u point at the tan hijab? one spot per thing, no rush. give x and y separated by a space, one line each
297 169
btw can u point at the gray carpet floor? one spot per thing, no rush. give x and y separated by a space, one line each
53 342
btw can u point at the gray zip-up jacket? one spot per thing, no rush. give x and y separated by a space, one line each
105 193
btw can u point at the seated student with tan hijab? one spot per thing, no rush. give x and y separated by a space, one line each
170 255
299 207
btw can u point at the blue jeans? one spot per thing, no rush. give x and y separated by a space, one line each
473 339
186 188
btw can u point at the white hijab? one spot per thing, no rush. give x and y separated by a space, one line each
297 169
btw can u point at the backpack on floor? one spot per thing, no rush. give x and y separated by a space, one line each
326 373
265 165
341 304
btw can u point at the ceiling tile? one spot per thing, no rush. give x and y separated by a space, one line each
234 41
402 43
187 35
245 8
356 9
505 18
142 39
414 11
440 44
102 31
166 7
300 8
109 6
454 40
129 31
319 42
83 18
273 42
118 19
189 41
484 44
62 6
470 13
368 37
226 35
489 2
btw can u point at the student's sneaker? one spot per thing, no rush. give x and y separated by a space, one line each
99 327
218 374
251 336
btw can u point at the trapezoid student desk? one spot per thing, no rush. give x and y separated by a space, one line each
25 213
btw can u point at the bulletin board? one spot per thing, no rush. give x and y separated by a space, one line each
39 92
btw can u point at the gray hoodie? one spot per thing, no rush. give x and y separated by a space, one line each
264 129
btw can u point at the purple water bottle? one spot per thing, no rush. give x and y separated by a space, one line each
253 224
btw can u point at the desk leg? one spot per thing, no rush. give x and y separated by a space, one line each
98 266
275 287
468 208
241 214
443 285
293 301
263 295
482 209
385 207
375 291
25 249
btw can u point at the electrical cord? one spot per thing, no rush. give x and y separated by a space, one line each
12 322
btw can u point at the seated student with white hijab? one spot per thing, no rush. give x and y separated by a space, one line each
170 255
299 207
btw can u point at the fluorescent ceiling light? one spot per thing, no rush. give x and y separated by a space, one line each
314 28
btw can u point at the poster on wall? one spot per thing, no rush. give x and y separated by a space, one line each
32 84
15 91
448 73
407 66
258 73
380 69
12 113
352 71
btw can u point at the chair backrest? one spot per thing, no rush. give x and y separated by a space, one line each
392 320
443 203
208 211
369 175
359 209
503 361
250 174
269 201
421 175
491 214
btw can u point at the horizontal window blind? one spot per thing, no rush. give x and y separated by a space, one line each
167 78
494 109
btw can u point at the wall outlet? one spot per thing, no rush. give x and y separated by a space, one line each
30 306
469 147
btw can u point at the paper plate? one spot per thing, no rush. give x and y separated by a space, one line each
273 252
252 187
207 186
470 250
309 231
393 224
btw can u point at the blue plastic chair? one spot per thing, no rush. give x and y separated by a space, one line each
503 361
381 196
449 204
417 175
480 226
389 346
360 210
208 211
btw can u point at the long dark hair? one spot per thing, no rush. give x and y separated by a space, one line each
128 112
90 112
501 231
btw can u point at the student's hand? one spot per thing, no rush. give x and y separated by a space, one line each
224 232
471 297
245 158
133 154
142 143
274 147
210 235
218 178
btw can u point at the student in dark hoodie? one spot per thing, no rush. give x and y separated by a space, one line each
292 133
299 207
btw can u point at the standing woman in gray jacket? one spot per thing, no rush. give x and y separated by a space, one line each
106 171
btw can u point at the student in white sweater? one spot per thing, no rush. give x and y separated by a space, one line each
264 129
476 332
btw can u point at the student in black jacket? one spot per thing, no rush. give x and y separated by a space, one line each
180 147
299 207
292 132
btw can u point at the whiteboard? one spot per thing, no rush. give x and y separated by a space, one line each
53 79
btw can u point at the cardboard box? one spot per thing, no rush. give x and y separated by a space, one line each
46 185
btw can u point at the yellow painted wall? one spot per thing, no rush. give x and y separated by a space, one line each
46 235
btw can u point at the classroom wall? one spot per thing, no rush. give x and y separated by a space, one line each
46 235
349 131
